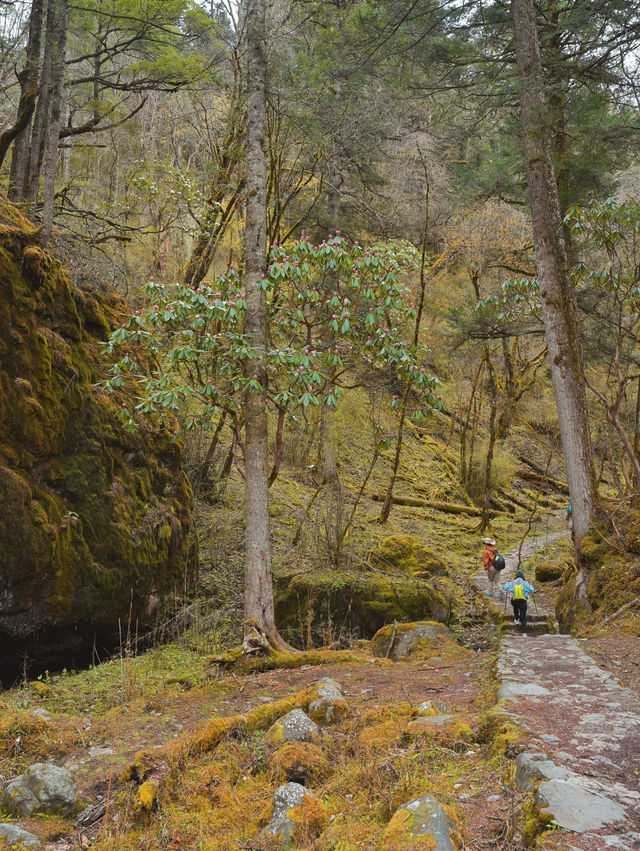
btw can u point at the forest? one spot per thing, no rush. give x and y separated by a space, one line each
303 305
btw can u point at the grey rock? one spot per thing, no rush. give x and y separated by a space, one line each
330 703
12 834
96 751
513 690
17 798
429 819
492 799
327 681
549 737
531 767
285 798
295 726
42 788
430 707
407 640
42 713
573 808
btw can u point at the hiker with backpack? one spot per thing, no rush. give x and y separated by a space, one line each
519 589
493 563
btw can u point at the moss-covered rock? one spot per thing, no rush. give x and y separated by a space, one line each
406 640
357 602
548 572
407 555
300 762
95 519
422 824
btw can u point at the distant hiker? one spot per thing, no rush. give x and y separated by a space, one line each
569 514
519 589
488 558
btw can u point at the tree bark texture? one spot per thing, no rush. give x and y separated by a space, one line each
559 307
43 109
55 119
28 79
258 595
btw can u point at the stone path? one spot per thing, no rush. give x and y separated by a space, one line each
537 614
518 555
581 732
588 729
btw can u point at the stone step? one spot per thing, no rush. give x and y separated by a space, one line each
532 629
580 741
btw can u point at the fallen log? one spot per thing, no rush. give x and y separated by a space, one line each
446 507
542 479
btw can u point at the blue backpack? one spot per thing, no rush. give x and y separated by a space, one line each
498 561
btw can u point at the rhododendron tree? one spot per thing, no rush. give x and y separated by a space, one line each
338 313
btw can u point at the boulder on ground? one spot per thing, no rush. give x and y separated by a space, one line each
295 726
401 640
294 806
360 600
95 518
301 762
329 705
11 834
43 788
421 824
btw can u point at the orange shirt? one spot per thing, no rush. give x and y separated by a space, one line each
488 555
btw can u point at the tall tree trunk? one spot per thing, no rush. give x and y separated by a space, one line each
43 109
328 436
388 501
55 121
559 307
488 466
28 78
258 594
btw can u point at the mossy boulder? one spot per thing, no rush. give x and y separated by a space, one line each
95 519
548 572
407 640
301 762
407 555
356 602
295 726
422 824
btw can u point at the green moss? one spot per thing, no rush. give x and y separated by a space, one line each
407 555
594 547
107 511
358 602
548 572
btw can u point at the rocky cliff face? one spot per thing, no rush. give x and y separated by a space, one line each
93 519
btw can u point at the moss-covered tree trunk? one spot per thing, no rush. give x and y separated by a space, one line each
559 307
258 594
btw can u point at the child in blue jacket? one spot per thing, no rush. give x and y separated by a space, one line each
519 589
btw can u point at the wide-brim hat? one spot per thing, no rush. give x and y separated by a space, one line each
489 541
